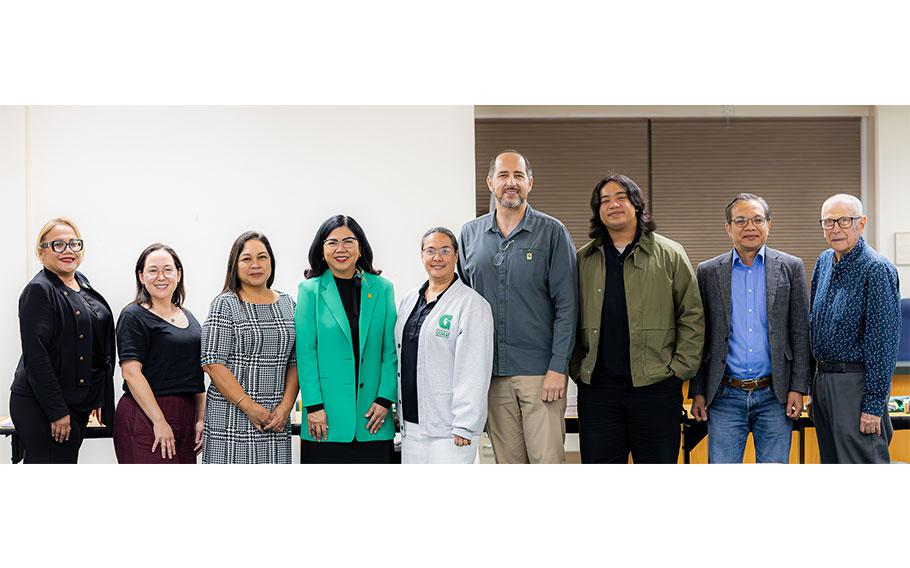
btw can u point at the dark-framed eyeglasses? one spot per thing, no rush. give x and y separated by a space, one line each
445 252
348 243
842 222
500 256
59 245
743 222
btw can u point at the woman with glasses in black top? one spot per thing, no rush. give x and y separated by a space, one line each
66 369
160 416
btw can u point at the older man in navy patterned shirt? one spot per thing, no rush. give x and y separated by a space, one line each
855 328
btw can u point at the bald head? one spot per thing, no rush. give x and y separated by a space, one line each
854 205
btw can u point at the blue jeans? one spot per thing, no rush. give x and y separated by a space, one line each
734 413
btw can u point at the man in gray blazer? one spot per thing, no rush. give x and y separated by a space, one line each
755 367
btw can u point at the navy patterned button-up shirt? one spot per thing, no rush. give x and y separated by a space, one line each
856 317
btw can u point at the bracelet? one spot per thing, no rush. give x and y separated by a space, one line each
237 404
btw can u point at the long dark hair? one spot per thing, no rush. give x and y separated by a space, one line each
318 265
142 295
646 224
232 279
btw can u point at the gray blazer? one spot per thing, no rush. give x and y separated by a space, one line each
788 323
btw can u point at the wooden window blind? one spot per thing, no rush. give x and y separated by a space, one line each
795 164
567 157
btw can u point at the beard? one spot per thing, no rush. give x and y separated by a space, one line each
511 204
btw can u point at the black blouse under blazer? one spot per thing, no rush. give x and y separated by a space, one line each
56 363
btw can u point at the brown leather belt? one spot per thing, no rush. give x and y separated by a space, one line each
749 385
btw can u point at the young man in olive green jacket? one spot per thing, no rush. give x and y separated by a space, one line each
640 332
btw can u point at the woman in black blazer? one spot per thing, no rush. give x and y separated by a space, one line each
66 369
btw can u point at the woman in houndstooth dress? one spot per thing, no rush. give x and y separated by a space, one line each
248 351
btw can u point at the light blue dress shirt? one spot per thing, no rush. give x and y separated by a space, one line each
749 350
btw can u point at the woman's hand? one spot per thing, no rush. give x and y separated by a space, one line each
376 414
257 413
164 437
279 418
461 442
316 422
199 428
60 429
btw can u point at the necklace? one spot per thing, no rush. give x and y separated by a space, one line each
172 318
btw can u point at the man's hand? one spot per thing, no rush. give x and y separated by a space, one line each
870 424
554 386
699 410
794 405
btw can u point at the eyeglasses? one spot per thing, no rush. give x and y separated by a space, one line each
743 222
348 243
842 222
59 246
152 272
445 252
501 255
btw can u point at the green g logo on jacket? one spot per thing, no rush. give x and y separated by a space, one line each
445 324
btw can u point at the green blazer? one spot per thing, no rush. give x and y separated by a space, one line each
325 357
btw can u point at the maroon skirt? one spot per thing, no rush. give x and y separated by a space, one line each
134 435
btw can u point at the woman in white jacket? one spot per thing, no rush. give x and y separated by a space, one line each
444 338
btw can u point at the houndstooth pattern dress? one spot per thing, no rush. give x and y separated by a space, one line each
256 342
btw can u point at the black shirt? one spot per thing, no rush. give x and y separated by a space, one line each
349 290
102 320
170 356
410 337
613 348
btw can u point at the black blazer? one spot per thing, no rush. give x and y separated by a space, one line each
56 363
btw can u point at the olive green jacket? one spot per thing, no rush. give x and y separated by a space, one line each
666 317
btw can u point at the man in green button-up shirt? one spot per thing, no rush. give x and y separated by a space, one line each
640 333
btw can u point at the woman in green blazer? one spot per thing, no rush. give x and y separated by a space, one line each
345 323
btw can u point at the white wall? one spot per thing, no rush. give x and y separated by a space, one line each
15 243
197 177
892 133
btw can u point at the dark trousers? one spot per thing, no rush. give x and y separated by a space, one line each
381 451
33 429
837 400
134 434
616 419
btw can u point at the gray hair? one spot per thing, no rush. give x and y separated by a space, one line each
728 210
851 200
444 231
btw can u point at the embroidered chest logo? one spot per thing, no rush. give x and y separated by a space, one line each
445 326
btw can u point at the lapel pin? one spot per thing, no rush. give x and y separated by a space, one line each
369 295
530 256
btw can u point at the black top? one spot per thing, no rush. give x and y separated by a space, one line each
410 337
169 355
62 360
613 349
102 326
349 290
